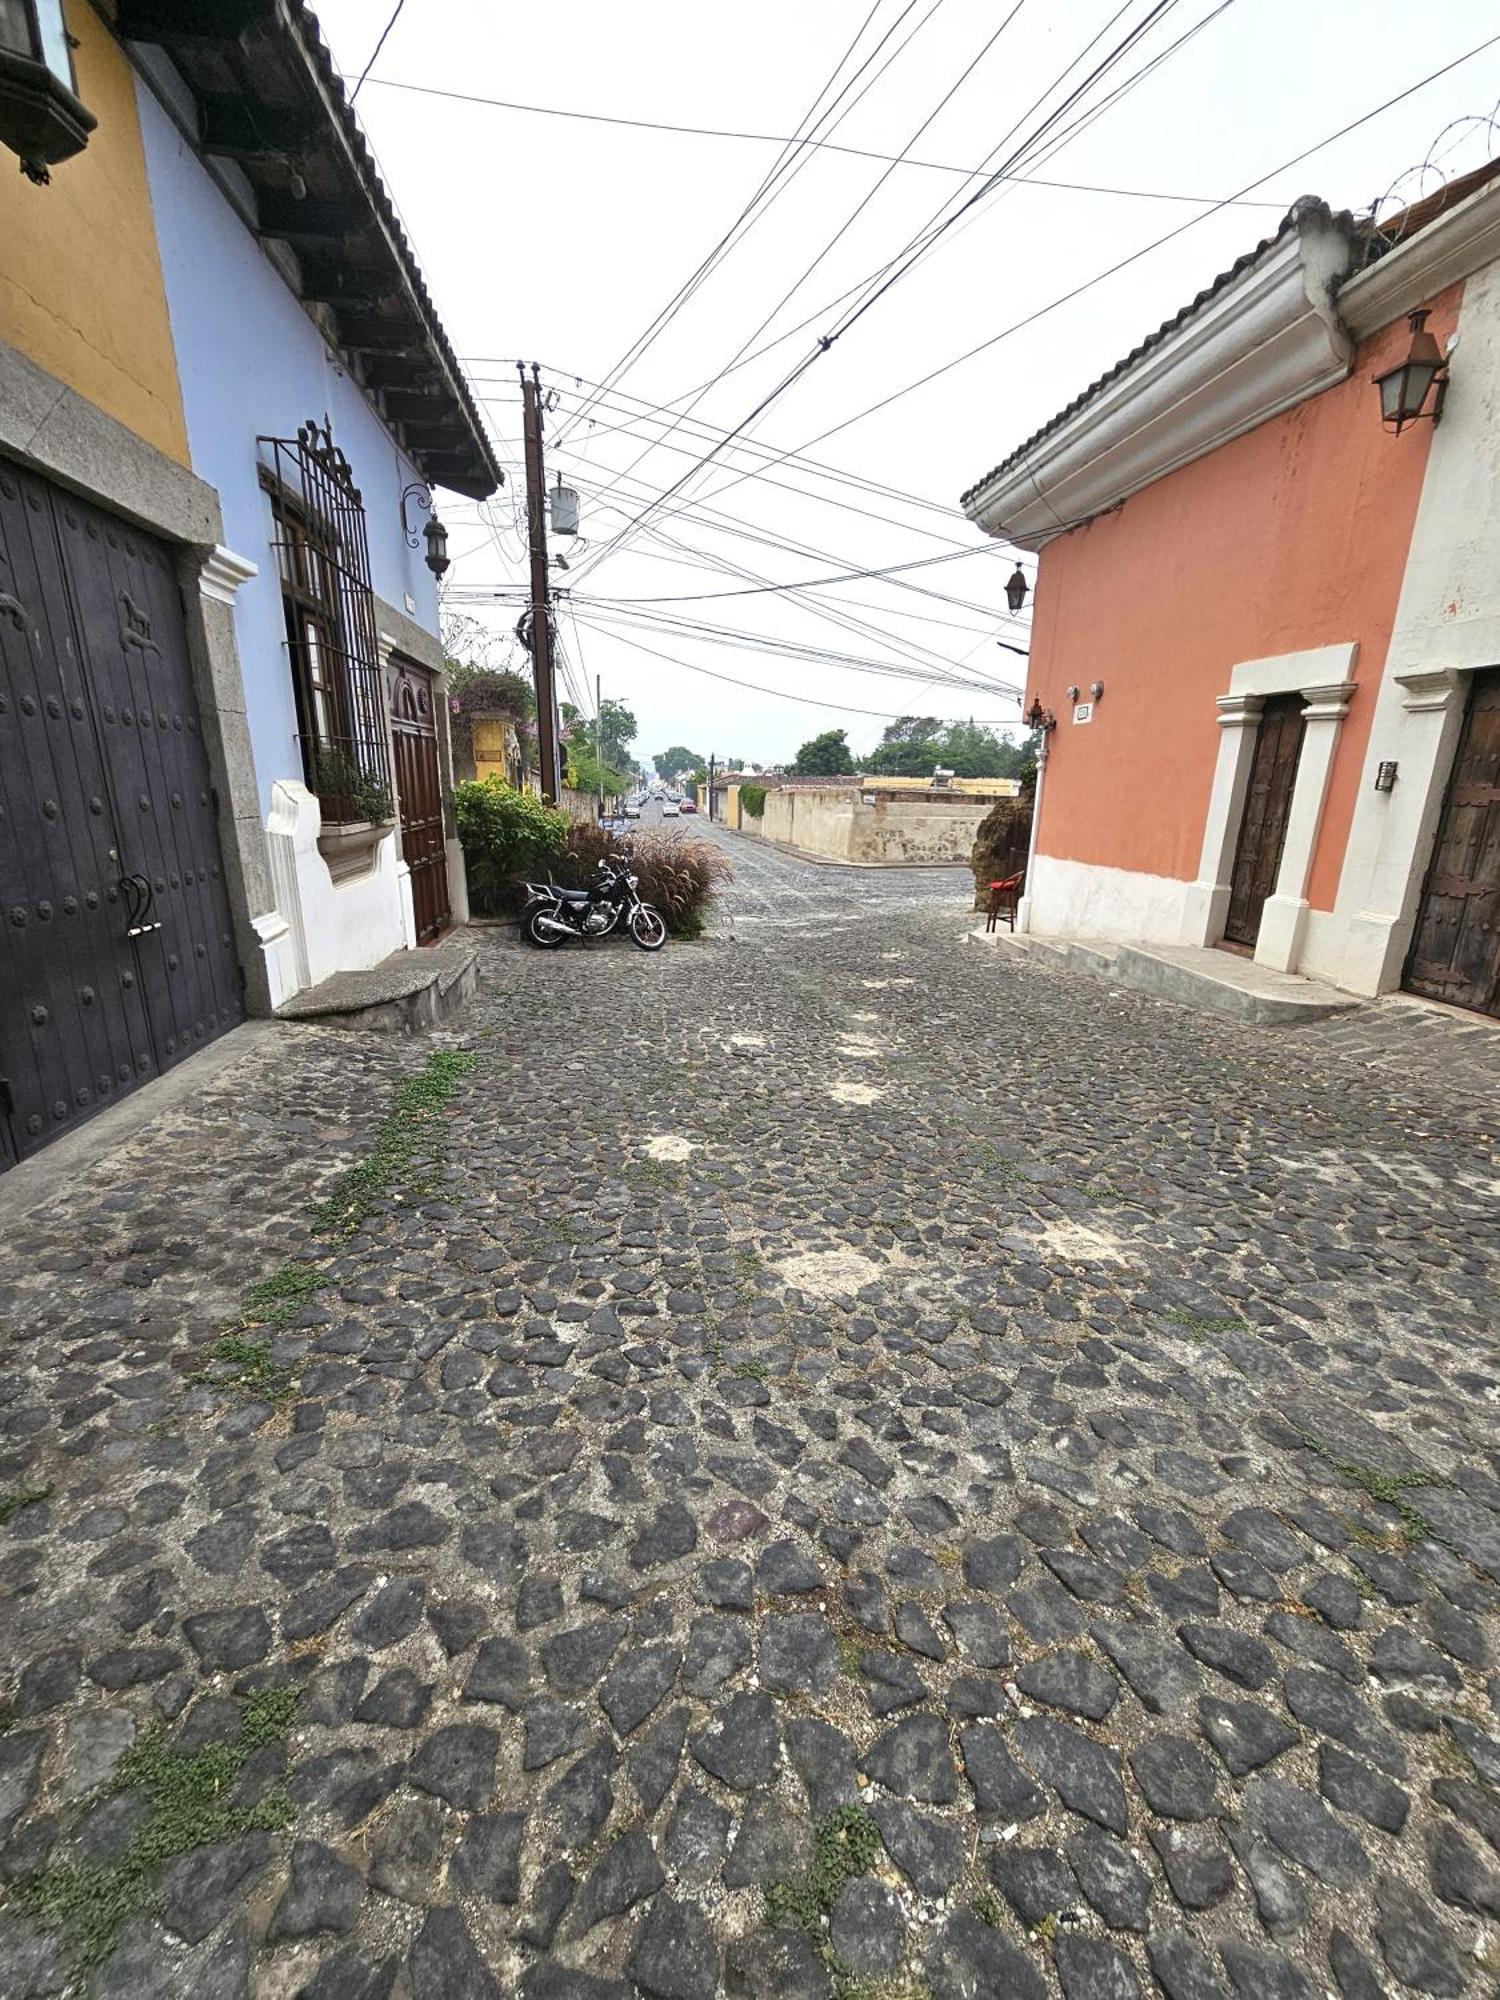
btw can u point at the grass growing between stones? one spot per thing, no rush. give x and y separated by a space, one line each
277 1300
191 1805
12 1503
1388 1488
845 1845
414 1131
1201 1323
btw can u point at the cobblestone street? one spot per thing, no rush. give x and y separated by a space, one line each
834 1463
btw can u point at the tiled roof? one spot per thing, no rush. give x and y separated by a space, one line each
1308 204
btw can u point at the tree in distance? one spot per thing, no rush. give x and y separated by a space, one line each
825 756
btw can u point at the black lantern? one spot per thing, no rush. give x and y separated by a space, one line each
1015 589
41 118
1405 388
436 536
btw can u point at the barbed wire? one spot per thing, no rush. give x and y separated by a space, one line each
1463 147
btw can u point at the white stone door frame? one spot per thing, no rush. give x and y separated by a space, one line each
1323 676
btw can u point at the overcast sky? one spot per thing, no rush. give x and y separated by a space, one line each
560 241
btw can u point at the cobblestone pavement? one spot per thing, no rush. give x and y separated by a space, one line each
855 1467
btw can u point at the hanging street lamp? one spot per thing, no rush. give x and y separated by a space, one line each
1015 588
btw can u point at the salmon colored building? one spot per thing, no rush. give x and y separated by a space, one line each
1267 626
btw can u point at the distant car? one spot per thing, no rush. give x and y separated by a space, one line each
688 806
632 810
670 809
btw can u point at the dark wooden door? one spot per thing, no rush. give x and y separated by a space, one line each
1268 800
116 951
1455 953
419 790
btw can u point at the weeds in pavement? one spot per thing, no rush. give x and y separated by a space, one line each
986 1906
12 1503
1200 1323
1388 1489
750 1371
845 1845
277 1300
190 1804
248 1366
413 1132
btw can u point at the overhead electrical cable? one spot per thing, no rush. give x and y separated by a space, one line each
855 213
780 694
743 359
789 163
827 340
1099 277
775 139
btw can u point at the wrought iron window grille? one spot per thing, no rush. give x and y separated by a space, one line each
323 563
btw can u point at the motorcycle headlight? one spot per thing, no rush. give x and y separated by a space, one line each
634 881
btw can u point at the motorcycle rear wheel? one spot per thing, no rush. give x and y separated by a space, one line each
648 927
543 940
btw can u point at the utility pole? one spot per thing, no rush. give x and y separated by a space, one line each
541 601
598 761
710 784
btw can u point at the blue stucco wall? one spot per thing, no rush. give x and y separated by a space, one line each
252 364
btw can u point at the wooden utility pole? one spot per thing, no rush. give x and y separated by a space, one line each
710 787
598 760
548 758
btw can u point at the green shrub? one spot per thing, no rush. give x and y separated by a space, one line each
753 800
507 837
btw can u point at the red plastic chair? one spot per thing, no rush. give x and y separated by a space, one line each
1004 897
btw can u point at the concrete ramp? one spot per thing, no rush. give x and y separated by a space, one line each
1215 982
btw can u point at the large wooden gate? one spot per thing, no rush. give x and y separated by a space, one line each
1455 953
1268 800
419 789
116 949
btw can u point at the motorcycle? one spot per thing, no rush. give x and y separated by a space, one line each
552 915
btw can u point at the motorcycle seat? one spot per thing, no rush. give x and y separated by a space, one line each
572 895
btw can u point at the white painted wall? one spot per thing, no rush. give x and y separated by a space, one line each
1447 627
1081 899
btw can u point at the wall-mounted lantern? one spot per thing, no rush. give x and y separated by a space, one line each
1015 588
1385 776
1037 717
41 117
1404 389
436 537
434 534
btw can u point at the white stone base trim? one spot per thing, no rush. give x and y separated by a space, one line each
458 882
279 953
330 926
1084 899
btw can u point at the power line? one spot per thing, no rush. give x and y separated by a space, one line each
811 582
853 216
1100 277
385 31
783 170
812 145
827 340
780 694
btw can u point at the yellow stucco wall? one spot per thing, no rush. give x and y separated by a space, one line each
81 289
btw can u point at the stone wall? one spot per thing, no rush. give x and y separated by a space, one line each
847 821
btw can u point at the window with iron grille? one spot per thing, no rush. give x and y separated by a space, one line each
323 561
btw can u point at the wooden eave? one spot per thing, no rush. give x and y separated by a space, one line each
268 98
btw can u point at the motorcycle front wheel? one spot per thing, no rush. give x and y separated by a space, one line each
647 927
543 940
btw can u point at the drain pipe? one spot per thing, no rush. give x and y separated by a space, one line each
1044 721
